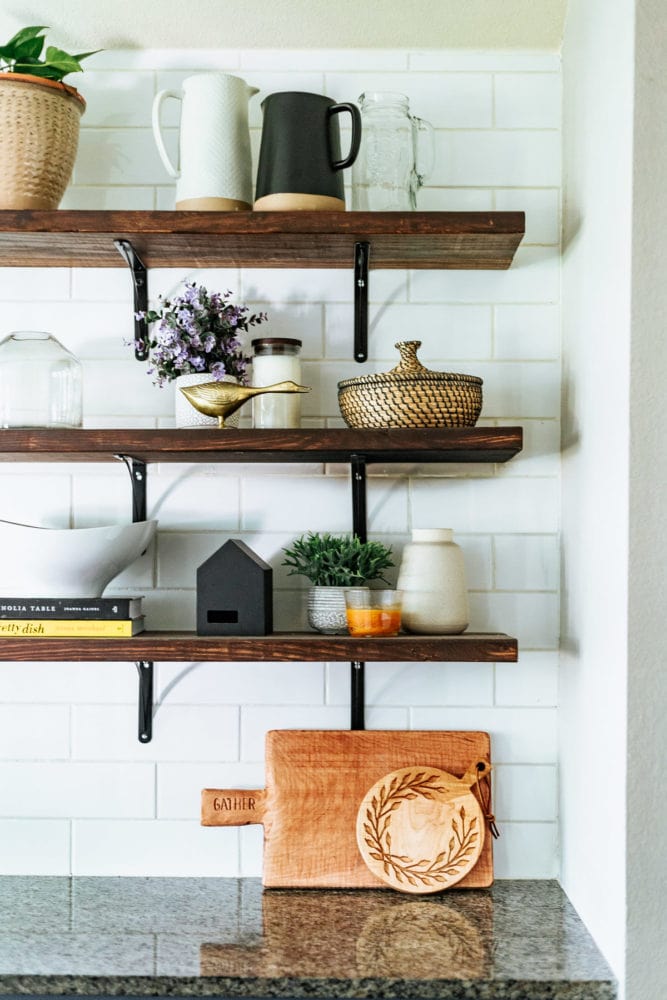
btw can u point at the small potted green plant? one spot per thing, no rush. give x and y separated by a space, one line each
196 338
39 118
332 563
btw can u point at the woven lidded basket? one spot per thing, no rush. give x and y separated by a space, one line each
411 395
39 124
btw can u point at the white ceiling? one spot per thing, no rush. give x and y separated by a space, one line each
471 24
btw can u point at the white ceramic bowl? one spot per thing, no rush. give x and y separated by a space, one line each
67 562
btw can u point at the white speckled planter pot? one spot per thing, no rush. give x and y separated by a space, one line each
326 609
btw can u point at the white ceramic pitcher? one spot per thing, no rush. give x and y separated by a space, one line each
215 172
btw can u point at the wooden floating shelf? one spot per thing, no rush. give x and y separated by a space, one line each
279 647
463 444
421 240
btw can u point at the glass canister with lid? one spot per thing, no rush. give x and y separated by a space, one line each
40 382
276 359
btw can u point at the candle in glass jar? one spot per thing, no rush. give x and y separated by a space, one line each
276 359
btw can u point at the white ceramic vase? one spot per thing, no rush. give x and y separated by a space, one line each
432 578
185 414
68 562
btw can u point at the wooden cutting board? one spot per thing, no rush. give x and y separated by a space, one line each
316 781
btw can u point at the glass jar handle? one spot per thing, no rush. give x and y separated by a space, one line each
355 142
424 136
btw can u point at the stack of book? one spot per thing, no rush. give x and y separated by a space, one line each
69 617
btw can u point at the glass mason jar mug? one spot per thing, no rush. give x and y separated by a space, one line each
40 382
395 157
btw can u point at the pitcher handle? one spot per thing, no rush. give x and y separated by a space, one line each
157 132
348 160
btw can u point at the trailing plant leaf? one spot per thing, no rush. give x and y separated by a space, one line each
23 54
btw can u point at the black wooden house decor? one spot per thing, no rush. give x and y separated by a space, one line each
234 592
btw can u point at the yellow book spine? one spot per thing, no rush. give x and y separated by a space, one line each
63 627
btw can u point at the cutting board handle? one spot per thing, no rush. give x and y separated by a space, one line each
232 806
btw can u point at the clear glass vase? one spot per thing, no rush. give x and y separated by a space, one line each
40 382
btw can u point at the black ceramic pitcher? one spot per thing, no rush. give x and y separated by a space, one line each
300 163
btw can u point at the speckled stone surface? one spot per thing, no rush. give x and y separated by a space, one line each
229 938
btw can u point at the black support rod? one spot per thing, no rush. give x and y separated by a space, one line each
357 668
145 668
362 252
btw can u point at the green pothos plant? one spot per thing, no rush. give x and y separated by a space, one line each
24 54
337 560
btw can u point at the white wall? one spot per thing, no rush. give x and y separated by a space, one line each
647 679
79 793
597 139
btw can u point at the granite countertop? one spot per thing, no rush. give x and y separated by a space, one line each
229 938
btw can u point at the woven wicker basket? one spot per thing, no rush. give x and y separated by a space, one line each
411 396
39 123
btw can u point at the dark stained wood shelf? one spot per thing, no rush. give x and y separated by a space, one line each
460 444
280 647
422 240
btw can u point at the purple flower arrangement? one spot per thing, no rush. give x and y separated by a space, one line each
198 332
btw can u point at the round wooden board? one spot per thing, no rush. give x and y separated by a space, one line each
420 829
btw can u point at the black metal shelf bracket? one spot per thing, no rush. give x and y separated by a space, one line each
362 253
145 669
140 282
359 527
137 471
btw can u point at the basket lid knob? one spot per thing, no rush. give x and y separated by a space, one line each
409 363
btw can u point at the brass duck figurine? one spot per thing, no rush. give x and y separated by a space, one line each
221 399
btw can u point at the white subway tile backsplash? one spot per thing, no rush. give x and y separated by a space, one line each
407 684
533 277
111 156
526 333
239 684
328 508
540 455
18 284
445 331
533 681
524 792
179 733
34 847
71 763
124 198
316 59
451 101
118 100
71 789
153 848
34 732
65 683
22 499
501 158
518 735
527 850
542 209
179 786
527 101
485 505
532 618
492 61
526 562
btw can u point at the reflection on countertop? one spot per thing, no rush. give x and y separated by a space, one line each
228 937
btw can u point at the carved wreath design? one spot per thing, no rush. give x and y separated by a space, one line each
448 863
